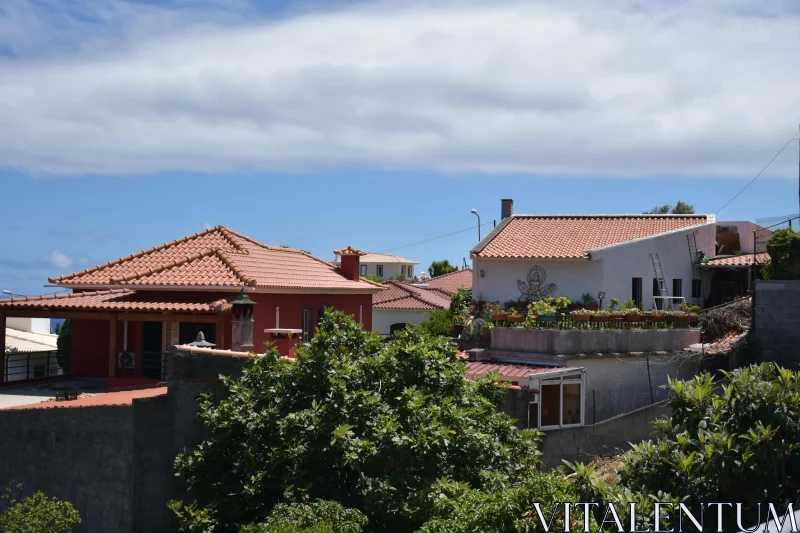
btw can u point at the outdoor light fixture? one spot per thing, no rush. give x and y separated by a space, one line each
475 212
600 296
242 306
481 272
13 294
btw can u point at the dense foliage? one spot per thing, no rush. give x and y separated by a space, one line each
317 517
36 514
681 208
784 252
376 279
461 301
438 323
442 267
370 425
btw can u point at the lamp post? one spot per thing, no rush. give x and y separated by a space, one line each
475 212
13 294
600 296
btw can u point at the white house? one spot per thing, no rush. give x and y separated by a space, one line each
402 304
384 266
528 257
30 349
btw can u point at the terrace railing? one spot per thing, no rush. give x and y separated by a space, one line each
21 366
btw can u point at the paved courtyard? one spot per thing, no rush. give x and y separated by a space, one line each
13 396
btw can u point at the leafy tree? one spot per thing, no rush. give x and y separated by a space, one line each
376 279
735 443
438 323
318 517
370 425
36 513
64 343
784 252
438 268
461 300
681 208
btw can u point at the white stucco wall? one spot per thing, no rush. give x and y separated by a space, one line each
390 270
610 269
382 319
34 325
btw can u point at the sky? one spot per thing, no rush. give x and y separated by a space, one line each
379 124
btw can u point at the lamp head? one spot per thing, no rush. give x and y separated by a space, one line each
474 211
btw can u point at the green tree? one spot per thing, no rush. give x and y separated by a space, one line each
438 323
318 517
438 268
461 300
783 248
64 344
36 513
370 425
681 208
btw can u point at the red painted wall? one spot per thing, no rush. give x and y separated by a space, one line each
90 348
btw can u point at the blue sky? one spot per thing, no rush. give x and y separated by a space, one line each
380 123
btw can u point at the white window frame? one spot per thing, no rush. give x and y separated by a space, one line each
363 270
564 377
379 270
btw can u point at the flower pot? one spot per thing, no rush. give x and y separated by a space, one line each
515 318
632 317
580 318
601 319
458 329
499 317
487 337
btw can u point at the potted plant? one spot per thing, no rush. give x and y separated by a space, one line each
588 301
514 316
495 311
581 315
543 311
458 324
693 312
631 311
487 332
601 317
614 312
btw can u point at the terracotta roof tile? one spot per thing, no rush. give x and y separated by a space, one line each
102 399
115 300
507 371
573 236
736 261
449 283
219 257
399 295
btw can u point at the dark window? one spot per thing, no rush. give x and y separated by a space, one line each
402 270
677 288
380 271
636 291
533 415
322 312
657 292
363 270
308 323
697 289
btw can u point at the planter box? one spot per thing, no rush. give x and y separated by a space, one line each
587 341
519 318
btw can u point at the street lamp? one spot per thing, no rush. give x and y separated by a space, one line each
475 212
13 294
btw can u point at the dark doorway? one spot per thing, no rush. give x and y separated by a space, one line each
151 350
187 332
396 327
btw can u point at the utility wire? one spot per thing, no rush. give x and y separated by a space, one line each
471 228
759 174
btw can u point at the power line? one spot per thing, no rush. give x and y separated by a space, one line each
471 228
759 174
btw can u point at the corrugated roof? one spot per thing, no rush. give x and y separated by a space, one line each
29 341
219 257
509 372
573 236
401 295
734 261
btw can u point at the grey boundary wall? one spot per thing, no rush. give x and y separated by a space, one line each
115 464
575 341
777 321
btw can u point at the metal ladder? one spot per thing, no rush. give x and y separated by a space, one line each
662 285
692 240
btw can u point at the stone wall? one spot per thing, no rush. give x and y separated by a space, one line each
609 437
575 341
777 321
82 455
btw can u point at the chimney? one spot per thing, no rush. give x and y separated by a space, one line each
506 208
351 262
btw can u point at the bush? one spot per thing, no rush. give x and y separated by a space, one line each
318 517
36 513
738 442
461 301
784 252
370 425
438 323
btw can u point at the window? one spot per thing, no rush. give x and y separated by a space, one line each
636 291
657 292
697 289
677 288
363 270
308 312
556 401
402 270
380 271
727 229
410 271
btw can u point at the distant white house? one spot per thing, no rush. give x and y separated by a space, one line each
529 257
30 349
384 266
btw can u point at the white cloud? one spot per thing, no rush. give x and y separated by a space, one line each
601 87
60 259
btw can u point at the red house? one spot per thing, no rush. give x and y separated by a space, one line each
127 313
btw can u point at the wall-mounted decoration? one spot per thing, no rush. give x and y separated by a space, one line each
534 288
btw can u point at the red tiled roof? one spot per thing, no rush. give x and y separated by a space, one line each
507 371
116 300
733 261
108 398
399 295
449 283
573 236
219 257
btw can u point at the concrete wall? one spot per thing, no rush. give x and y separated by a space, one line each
610 269
574 341
35 325
81 455
606 438
382 319
777 321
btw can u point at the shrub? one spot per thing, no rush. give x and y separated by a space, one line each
36 513
784 252
320 516
438 323
461 301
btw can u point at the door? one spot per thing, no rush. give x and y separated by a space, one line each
151 350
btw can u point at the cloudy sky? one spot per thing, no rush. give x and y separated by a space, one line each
379 123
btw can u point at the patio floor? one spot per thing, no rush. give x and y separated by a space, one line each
29 393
